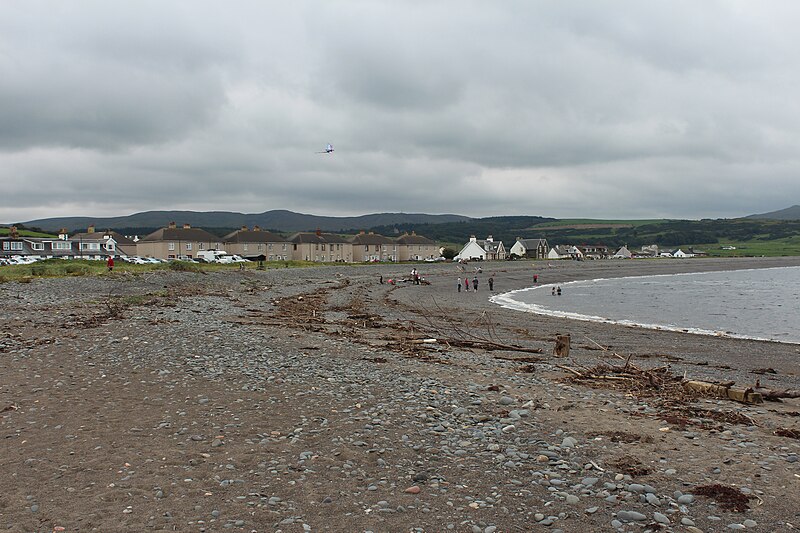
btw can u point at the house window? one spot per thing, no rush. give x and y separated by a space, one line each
244 247
201 246
188 246
323 247
12 245
110 246
61 245
269 247
171 247
90 246
366 247
260 247
284 248
38 246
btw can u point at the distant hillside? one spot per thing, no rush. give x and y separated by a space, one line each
790 213
279 220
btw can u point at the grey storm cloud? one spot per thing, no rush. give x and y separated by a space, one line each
605 109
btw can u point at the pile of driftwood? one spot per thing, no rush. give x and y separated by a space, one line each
648 381
629 377
661 381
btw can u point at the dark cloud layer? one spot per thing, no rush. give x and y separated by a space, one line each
632 110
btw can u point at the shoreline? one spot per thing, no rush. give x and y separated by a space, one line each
508 301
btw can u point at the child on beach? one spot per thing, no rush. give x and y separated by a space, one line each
466 284
459 284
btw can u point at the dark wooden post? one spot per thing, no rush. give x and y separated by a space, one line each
562 346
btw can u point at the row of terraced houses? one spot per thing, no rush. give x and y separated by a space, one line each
174 242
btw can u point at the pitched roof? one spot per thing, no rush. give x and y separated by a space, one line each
317 238
101 236
371 238
181 234
490 246
256 236
414 239
532 243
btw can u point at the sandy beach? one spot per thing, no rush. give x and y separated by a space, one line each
320 399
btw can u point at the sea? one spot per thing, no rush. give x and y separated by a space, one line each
759 304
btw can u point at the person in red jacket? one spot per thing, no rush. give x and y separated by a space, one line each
110 263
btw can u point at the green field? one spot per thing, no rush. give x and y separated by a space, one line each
754 248
596 222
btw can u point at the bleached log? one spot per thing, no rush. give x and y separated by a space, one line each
725 391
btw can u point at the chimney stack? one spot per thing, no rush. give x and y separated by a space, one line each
62 234
244 228
90 229
187 226
171 225
256 228
13 232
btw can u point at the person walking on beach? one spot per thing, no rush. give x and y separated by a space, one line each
475 284
110 263
491 283
459 284
553 291
558 291
535 279
466 284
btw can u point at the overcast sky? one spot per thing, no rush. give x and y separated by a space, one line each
624 109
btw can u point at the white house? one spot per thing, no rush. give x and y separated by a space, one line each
681 253
565 252
531 248
623 253
472 251
495 251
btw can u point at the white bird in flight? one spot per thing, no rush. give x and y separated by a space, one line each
328 149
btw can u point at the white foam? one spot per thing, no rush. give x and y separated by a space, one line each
507 300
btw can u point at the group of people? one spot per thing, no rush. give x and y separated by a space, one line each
475 283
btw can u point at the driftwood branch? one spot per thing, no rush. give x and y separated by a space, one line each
725 391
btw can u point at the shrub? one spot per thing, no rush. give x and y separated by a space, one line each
76 270
184 266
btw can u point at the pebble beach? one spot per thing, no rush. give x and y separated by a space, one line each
320 399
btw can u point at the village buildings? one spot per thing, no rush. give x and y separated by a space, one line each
371 247
257 244
186 242
415 247
321 247
530 248
173 242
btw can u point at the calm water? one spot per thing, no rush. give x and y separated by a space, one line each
758 304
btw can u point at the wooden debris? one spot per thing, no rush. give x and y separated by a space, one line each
724 391
786 432
561 348
773 394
